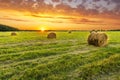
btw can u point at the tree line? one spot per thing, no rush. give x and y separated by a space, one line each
7 28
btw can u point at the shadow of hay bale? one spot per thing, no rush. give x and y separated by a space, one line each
51 35
97 39
13 34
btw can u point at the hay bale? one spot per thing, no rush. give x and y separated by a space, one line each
13 34
93 31
69 31
97 39
51 35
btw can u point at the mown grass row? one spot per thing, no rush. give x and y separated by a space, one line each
59 68
98 69
31 54
36 45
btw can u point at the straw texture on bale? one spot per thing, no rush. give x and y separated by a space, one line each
13 34
93 31
51 35
97 39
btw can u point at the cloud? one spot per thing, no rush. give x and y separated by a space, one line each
86 21
67 19
55 0
116 1
12 19
38 16
110 8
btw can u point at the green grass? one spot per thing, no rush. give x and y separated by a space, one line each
31 56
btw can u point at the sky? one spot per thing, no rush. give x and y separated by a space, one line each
61 14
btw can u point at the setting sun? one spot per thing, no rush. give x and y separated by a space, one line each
42 29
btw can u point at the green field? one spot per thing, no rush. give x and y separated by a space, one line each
31 56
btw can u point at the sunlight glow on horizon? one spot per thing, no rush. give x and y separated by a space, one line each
60 14
28 21
42 29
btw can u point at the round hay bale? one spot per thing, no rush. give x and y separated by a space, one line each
51 35
93 31
13 34
97 39
69 31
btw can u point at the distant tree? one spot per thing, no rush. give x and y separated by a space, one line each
7 28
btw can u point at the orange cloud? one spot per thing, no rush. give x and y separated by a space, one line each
60 14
